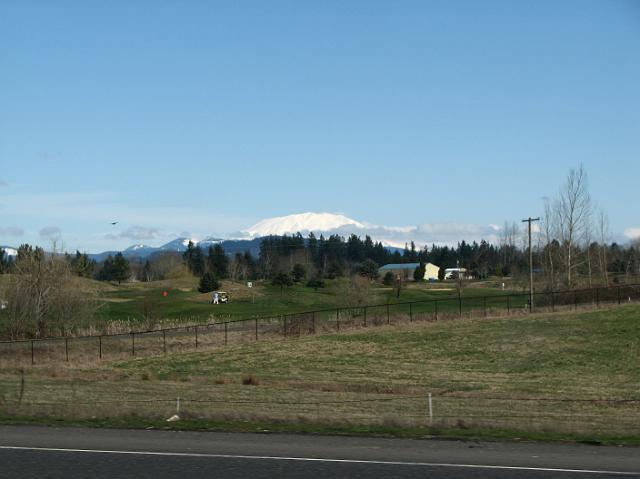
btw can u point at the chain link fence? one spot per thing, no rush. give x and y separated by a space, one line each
193 337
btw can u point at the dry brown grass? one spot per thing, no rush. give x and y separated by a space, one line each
524 373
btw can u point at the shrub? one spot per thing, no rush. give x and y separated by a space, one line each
315 283
249 380
388 279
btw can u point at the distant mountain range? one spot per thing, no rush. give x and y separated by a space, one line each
179 245
393 238
250 239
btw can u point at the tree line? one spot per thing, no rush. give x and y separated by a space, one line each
572 247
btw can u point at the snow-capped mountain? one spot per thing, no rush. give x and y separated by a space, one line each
178 244
138 250
302 223
9 251
181 244
205 243
393 237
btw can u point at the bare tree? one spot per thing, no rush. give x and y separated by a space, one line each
603 238
573 209
508 239
44 296
547 235
587 245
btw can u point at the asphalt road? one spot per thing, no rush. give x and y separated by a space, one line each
47 452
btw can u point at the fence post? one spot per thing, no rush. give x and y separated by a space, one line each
100 347
164 342
32 358
196 332
338 319
598 297
436 303
133 344
484 304
284 325
313 321
460 303
575 301
410 312
66 349
618 294
388 319
553 302
430 409
508 304
256 329
225 333
365 316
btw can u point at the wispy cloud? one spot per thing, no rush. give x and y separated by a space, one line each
50 232
101 208
11 231
136 233
632 233
397 236
432 233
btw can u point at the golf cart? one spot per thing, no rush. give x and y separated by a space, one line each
222 296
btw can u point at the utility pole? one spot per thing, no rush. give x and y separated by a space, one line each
530 220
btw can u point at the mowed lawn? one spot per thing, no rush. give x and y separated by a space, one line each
179 300
548 374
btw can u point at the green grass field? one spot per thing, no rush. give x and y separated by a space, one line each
137 302
546 376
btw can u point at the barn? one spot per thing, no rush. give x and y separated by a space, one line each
405 270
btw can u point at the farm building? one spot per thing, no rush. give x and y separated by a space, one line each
405 270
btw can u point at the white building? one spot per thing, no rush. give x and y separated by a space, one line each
449 272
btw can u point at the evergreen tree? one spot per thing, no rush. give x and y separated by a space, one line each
208 283
312 247
5 261
106 272
282 280
250 263
299 272
28 252
388 279
334 270
187 256
197 262
121 269
194 259
315 283
418 273
82 265
369 269
217 262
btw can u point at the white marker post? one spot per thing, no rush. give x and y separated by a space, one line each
430 409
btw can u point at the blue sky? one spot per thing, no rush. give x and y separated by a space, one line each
206 117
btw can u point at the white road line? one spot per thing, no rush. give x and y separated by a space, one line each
314 459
